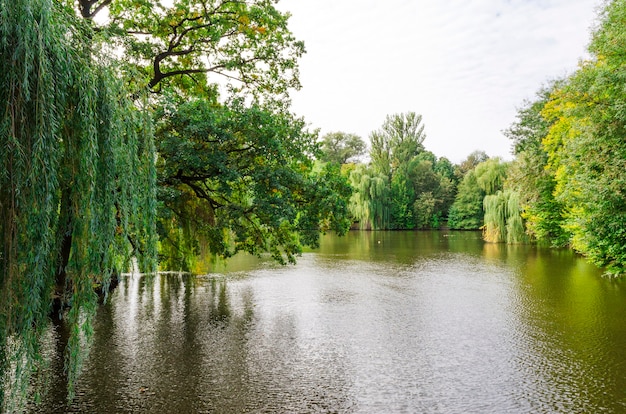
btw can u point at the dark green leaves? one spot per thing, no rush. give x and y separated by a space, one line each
242 178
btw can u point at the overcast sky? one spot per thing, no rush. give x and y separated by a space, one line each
465 65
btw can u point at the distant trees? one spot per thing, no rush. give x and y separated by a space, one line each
470 163
341 148
503 220
484 179
565 187
399 139
467 210
404 186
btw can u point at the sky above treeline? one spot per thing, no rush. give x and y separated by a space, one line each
465 65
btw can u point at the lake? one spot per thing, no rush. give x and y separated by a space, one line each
373 322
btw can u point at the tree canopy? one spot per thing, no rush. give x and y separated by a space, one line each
99 95
243 178
399 139
404 186
341 148
570 152
176 46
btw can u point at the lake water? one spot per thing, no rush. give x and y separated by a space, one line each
374 322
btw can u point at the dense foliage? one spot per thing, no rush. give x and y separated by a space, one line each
237 178
78 178
404 186
481 179
74 151
186 45
570 166
530 177
466 212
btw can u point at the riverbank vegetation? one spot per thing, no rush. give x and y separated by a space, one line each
565 186
570 153
152 131
164 132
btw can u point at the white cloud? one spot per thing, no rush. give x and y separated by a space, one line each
465 65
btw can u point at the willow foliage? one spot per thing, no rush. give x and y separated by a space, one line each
503 220
491 175
370 201
485 179
74 153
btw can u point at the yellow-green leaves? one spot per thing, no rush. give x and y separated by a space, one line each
579 169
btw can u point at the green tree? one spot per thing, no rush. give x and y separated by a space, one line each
341 148
402 200
586 149
491 175
189 49
242 178
466 212
370 203
487 178
75 151
425 211
466 209
399 140
393 147
503 219
470 163
433 191
529 175
186 45
445 168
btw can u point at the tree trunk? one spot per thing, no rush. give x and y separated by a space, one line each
65 248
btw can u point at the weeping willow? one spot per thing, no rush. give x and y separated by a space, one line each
503 220
359 200
370 202
491 174
77 186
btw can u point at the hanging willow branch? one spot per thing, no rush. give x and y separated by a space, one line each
503 220
370 202
77 182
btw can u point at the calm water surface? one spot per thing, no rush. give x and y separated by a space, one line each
374 322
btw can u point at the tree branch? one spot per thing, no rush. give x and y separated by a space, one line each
86 5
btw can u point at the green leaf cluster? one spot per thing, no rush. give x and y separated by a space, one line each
192 45
74 151
571 154
484 179
405 186
242 178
